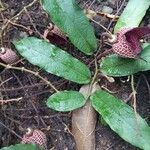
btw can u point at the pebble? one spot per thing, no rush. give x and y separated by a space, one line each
23 34
112 2
107 9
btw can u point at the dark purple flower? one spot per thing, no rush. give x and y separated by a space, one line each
127 41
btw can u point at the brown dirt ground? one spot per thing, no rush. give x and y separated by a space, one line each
31 111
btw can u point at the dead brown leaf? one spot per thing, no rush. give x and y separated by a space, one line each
84 121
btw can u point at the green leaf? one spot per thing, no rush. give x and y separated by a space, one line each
22 147
132 14
122 119
116 66
71 19
66 101
53 60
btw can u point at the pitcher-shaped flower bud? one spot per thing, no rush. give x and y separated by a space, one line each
36 137
8 55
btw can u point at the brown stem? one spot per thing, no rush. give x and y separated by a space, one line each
110 37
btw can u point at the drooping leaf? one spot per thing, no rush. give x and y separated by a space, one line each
132 14
122 119
66 101
116 66
22 147
71 19
53 60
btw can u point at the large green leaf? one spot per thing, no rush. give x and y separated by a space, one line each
22 147
53 60
116 66
71 19
132 14
66 101
122 119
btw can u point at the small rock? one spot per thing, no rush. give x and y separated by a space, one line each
112 2
107 9
12 12
23 34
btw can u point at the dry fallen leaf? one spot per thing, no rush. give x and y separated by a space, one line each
84 121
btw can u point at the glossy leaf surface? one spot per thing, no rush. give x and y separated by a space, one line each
21 147
66 101
116 66
71 20
122 119
53 60
132 14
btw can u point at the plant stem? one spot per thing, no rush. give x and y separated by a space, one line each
134 93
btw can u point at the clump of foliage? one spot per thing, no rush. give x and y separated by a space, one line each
72 21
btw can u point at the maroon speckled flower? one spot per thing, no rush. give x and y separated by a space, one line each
35 137
126 42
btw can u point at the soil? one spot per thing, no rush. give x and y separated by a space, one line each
31 110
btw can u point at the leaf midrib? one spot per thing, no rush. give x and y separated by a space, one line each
79 32
54 58
121 64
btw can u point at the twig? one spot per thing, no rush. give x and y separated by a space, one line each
1 95
31 20
13 120
1 6
96 72
99 57
27 96
24 87
134 105
10 130
34 106
15 18
91 4
85 4
10 100
93 79
116 14
133 93
5 81
29 71
129 98
113 144
101 26
109 91
20 25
